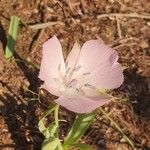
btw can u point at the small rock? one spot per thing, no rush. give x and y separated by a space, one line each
111 1
148 23
123 140
144 44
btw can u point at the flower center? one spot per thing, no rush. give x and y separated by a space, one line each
72 81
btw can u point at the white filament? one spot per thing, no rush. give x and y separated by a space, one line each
68 84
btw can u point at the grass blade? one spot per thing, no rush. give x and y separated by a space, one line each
13 30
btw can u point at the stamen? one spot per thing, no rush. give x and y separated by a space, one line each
70 72
67 71
66 64
77 90
77 68
87 84
61 75
59 67
90 86
87 73
70 83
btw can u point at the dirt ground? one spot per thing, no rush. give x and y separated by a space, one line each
76 20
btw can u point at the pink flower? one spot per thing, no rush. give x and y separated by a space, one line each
77 80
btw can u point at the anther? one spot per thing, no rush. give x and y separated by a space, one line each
59 67
87 73
66 64
77 68
90 86
71 82
77 90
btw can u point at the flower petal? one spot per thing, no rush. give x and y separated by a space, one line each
107 77
81 104
73 55
92 92
95 53
52 62
53 90
52 59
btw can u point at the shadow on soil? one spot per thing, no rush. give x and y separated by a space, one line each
21 121
3 37
18 114
30 73
136 88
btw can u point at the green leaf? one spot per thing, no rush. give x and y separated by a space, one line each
51 129
79 127
42 128
13 30
50 109
51 144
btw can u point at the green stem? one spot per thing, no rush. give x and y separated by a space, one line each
118 128
56 118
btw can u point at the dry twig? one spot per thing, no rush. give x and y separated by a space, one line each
129 15
118 28
44 25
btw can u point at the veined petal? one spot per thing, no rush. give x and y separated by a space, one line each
81 104
73 55
107 77
93 93
95 53
52 62
53 90
52 59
